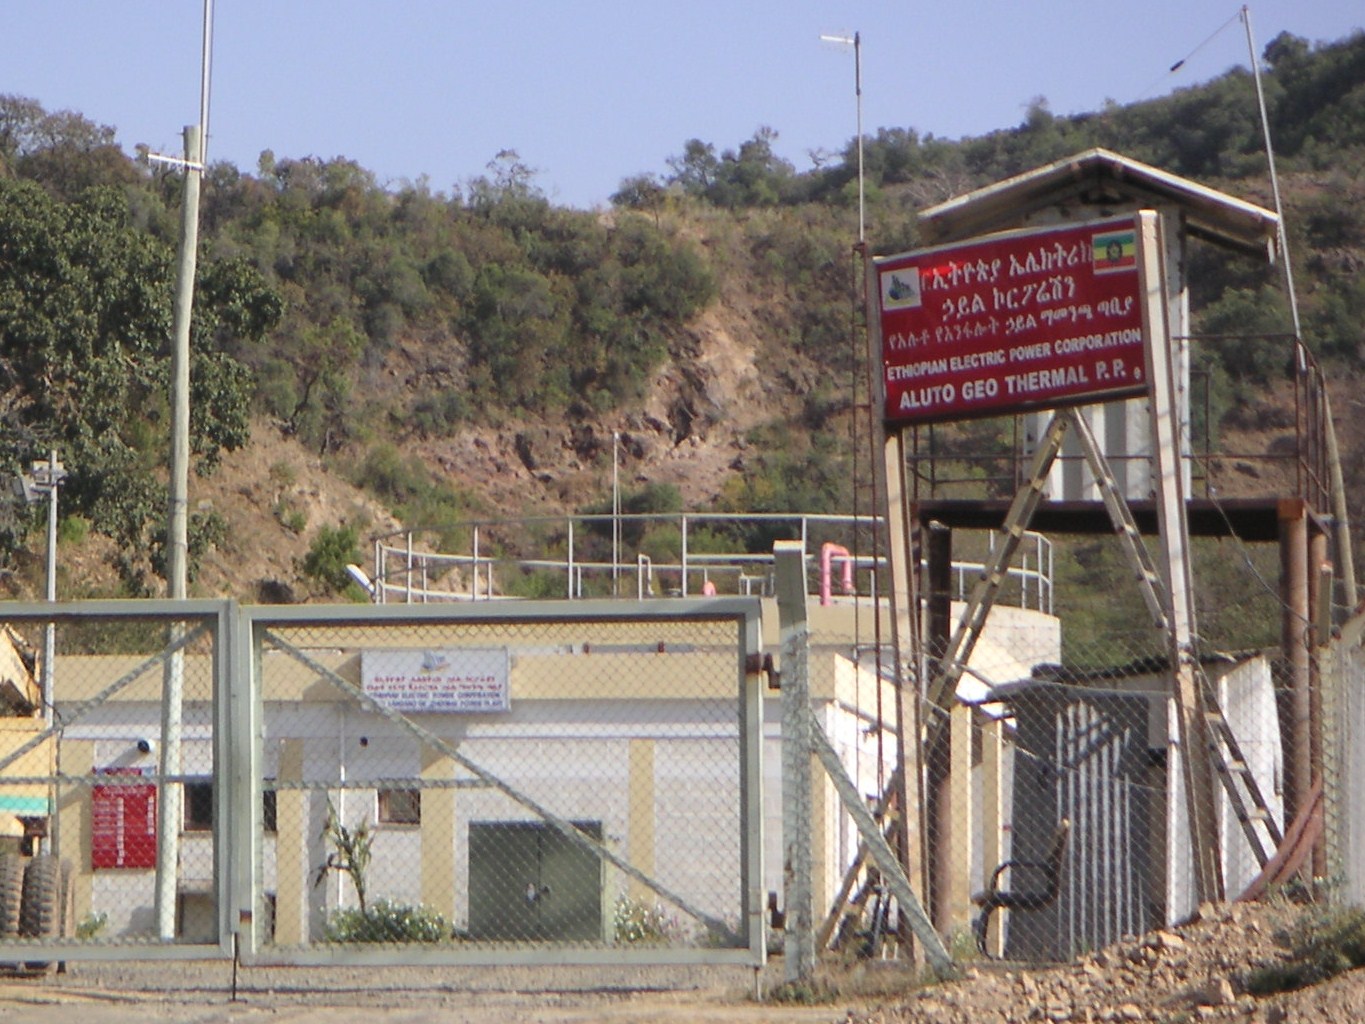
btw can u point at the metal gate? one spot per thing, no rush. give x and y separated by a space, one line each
533 782
498 782
114 731
1084 755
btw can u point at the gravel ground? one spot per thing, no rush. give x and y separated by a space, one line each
102 993
1179 976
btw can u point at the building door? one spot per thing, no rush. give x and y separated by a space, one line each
530 882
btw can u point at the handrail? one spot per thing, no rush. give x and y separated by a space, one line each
404 573
947 464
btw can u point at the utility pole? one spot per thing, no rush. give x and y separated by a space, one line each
169 796
856 41
171 790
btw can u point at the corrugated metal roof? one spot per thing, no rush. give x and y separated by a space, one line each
1100 182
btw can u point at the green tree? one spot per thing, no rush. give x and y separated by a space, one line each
695 170
334 548
64 151
84 322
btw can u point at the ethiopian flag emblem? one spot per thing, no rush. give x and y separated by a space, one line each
1114 251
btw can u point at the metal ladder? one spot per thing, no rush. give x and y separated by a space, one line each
1245 798
1244 794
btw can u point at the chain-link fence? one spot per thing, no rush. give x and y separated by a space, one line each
580 783
111 732
1050 801
456 784
1342 810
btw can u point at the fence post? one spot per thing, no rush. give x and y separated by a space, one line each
789 558
1190 705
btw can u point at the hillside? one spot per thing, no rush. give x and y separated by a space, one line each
372 358
689 433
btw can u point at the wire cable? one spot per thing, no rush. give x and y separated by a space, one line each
1155 84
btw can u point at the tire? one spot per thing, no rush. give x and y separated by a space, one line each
11 893
40 915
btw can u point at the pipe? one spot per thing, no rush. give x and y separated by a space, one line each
828 552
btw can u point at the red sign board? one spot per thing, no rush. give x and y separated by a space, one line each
123 823
1009 322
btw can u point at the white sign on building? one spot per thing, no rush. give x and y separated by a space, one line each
454 680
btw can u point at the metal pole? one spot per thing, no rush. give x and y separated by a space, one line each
205 75
856 41
54 477
617 532
858 88
569 581
1340 512
49 637
684 555
379 570
1274 179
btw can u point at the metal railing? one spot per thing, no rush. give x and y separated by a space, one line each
987 459
656 555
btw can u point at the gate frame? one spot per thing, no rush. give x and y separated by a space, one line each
244 780
222 619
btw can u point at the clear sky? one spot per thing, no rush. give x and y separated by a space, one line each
593 91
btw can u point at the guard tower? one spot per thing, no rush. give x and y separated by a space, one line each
1018 307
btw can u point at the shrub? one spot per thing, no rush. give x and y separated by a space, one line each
72 530
331 551
638 922
388 921
91 925
539 584
1321 947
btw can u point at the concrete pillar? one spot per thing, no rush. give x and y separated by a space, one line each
903 596
438 833
993 818
74 826
824 811
640 838
292 870
958 868
938 545
1295 697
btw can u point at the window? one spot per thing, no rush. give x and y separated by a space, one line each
196 916
268 805
400 806
198 806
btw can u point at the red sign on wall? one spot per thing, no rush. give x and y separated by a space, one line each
1009 322
123 823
